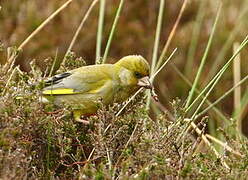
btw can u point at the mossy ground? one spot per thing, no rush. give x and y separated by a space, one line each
42 141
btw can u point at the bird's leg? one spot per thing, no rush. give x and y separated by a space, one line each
77 116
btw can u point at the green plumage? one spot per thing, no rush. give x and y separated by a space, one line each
83 88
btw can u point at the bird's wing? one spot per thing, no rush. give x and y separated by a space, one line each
85 79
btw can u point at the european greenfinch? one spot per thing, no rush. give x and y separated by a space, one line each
84 87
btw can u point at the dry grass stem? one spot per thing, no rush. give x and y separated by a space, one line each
129 100
224 145
79 29
36 31
171 35
204 138
236 80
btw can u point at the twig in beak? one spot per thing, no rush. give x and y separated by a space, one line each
153 94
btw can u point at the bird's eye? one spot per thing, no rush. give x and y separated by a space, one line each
138 75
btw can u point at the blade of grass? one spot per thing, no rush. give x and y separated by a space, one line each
228 43
6 87
217 79
224 145
222 97
244 105
218 112
237 90
194 126
155 74
157 71
100 29
53 65
112 31
156 46
191 93
157 35
205 139
129 100
12 59
78 30
195 36
210 85
171 35
40 27
219 74
208 93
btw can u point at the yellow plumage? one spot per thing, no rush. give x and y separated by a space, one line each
83 88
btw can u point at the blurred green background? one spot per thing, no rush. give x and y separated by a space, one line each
134 35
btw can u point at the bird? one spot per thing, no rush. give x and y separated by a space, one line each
84 87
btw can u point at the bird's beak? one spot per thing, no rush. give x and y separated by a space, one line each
145 82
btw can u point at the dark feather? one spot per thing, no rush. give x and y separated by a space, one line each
56 79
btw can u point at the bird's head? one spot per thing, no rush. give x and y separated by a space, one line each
134 71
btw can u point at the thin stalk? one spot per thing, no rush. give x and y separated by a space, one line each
40 27
78 30
157 35
154 75
206 141
195 36
169 58
12 59
222 97
100 29
237 90
129 100
214 84
191 93
225 49
244 106
112 31
53 65
156 46
224 145
9 80
171 35
210 85
218 112
223 69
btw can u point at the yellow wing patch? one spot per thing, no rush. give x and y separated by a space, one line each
59 91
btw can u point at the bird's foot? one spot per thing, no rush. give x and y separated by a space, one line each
81 120
77 114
